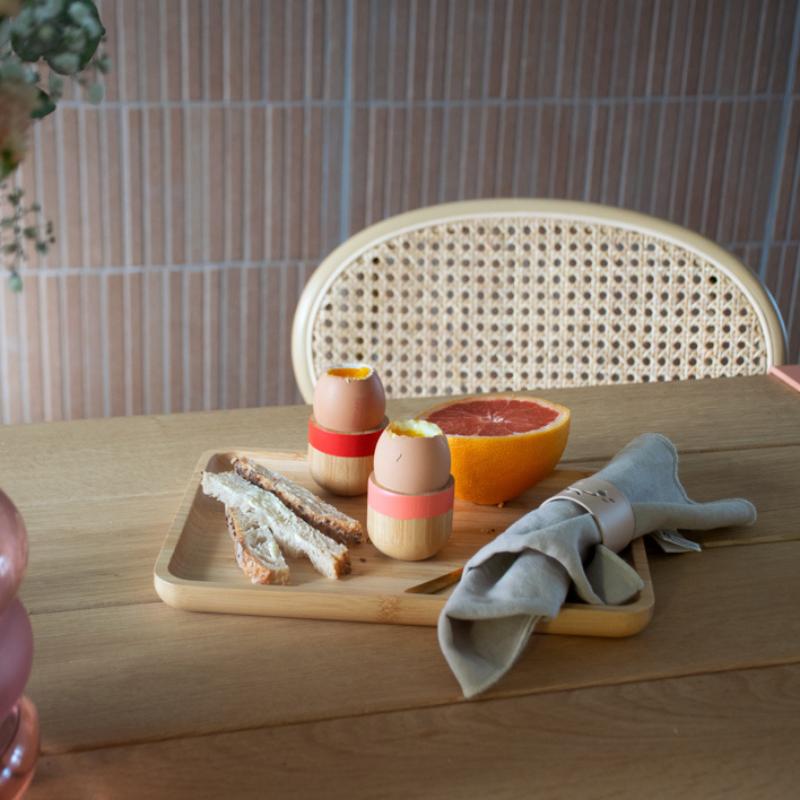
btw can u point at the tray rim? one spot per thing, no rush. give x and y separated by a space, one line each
396 607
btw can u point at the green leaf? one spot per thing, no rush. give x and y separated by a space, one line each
94 41
46 106
14 281
104 64
55 85
7 163
56 51
64 63
96 93
28 48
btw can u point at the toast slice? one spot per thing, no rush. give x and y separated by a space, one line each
294 535
257 551
316 512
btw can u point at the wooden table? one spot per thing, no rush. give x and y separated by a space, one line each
138 699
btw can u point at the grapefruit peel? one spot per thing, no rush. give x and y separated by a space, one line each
519 442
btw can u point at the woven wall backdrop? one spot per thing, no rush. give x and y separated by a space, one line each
241 141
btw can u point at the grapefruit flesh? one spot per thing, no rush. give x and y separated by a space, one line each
501 445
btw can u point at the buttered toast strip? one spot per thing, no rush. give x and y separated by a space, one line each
294 535
316 512
257 551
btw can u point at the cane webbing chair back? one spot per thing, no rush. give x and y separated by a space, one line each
512 295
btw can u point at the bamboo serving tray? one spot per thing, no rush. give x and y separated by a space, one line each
196 569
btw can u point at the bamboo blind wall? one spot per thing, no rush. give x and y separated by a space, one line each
241 141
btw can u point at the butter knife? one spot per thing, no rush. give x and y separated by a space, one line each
437 584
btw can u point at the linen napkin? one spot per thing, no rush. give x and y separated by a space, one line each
523 576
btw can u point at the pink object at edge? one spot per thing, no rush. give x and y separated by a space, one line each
20 740
788 373
16 655
13 550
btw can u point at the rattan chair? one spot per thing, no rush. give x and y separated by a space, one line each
511 295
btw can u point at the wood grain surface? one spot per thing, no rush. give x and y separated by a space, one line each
731 735
705 697
152 455
111 675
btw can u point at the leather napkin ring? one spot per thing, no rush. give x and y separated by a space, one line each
610 508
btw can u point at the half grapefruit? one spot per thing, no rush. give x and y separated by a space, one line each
501 445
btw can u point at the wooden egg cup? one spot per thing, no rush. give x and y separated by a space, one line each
409 527
341 463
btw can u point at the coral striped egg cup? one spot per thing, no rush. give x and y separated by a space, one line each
409 527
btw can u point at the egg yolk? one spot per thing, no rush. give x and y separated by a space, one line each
351 373
414 428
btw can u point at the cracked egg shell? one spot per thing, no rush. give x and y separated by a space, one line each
412 457
349 398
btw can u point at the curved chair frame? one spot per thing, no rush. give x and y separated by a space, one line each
613 251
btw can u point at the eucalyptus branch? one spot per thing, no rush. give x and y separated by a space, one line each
17 231
66 35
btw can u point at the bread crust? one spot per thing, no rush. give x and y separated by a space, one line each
294 536
327 519
257 553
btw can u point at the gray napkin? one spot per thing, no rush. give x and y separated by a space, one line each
524 574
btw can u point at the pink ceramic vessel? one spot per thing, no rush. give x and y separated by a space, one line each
19 723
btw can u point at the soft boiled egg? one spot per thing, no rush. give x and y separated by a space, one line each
349 398
412 457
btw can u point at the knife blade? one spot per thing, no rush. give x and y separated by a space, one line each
437 584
